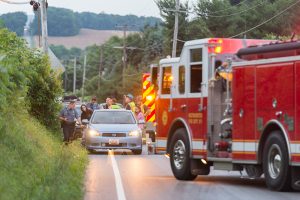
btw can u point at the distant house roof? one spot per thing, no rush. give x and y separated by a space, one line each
55 62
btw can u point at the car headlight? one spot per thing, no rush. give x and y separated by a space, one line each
94 133
135 133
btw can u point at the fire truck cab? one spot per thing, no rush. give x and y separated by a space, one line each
220 107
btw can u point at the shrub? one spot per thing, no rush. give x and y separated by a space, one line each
26 74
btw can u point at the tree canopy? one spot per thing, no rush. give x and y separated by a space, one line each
15 22
26 77
207 18
65 22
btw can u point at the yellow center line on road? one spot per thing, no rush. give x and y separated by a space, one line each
118 179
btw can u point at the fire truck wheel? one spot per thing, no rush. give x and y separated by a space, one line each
137 151
276 163
180 156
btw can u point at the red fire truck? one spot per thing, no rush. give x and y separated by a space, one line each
243 115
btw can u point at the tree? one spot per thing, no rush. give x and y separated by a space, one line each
25 74
229 18
167 8
104 21
61 22
65 22
2 24
15 22
148 49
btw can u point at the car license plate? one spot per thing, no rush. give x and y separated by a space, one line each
113 142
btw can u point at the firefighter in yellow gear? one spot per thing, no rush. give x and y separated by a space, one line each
129 104
224 72
114 104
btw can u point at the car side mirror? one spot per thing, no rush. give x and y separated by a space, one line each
141 121
85 122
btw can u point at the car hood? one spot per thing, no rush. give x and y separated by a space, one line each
115 128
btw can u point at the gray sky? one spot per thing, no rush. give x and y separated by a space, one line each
121 7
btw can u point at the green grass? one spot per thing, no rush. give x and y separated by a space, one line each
34 164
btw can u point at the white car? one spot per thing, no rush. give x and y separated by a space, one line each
113 129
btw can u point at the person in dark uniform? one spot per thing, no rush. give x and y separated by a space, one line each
68 117
93 105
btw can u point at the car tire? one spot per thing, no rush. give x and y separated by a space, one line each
91 151
137 151
180 156
276 163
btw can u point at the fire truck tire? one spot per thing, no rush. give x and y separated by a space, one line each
276 163
137 151
180 156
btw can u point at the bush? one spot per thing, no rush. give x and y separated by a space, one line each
44 87
34 164
26 74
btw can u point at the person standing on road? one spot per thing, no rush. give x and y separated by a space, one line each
86 113
108 103
68 117
114 104
93 105
129 104
139 103
139 115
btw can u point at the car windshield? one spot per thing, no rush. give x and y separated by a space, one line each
117 117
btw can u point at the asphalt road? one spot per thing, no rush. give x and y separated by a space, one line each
113 175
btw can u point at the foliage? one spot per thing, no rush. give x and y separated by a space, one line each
34 164
2 25
61 22
63 53
44 88
104 21
26 74
144 49
167 8
65 22
15 22
212 18
228 18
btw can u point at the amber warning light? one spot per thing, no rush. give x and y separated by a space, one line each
215 46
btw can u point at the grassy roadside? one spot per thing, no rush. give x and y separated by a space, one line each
34 164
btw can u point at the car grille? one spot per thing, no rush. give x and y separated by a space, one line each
119 145
113 134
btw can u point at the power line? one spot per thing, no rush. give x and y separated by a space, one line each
13 2
268 20
233 14
216 16
228 8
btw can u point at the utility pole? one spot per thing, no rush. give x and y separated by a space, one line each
43 9
74 75
124 56
124 47
66 76
100 67
83 78
124 59
175 36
